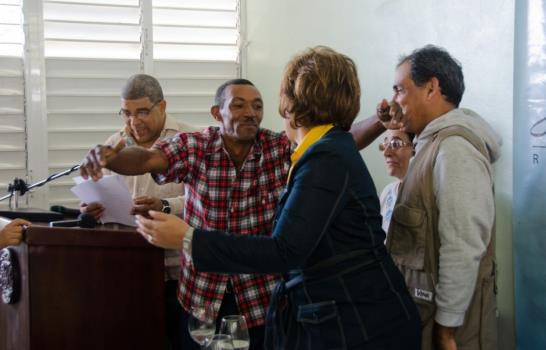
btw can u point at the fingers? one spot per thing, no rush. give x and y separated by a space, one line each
144 200
146 228
159 216
147 225
142 205
90 168
395 111
119 146
151 226
140 210
15 238
395 116
95 160
19 222
12 234
383 111
95 209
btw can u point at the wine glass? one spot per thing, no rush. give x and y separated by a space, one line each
235 326
219 342
201 323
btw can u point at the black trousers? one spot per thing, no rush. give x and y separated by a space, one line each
173 316
228 307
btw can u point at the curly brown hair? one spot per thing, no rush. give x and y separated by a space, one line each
320 86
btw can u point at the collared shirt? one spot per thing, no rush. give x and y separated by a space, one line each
144 185
387 199
221 198
312 136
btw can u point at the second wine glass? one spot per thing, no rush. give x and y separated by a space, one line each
220 342
235 326
201 324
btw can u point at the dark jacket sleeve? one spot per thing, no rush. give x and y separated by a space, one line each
317 194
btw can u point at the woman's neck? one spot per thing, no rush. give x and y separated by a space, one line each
300 134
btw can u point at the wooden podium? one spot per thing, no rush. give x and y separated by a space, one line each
82 289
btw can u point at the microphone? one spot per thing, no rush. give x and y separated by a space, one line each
65 211
19 188
84 221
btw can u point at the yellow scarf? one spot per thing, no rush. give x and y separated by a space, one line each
309 139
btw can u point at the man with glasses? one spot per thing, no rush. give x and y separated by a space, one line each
146 121
442 231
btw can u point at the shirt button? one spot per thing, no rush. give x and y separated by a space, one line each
232 210
263 201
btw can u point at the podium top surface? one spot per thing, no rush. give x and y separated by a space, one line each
31 214
109 235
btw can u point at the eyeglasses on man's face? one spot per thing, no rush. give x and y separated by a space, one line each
394 144
141 113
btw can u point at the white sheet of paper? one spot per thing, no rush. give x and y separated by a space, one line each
112 192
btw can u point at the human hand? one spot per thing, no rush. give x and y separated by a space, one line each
98 158
12 233
96 209
390 114
162 230
444 337
144 204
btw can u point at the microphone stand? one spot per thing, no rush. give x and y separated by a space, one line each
19 187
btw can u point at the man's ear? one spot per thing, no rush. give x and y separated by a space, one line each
433 87
163 105
215 112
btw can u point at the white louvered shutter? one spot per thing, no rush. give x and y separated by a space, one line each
195 48
12 117
91 47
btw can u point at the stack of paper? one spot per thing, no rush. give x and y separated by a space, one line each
112 192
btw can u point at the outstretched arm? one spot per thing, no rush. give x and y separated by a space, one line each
123 160
387 116
366 131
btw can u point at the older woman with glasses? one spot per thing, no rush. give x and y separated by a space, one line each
397 148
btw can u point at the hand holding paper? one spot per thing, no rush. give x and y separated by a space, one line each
112 192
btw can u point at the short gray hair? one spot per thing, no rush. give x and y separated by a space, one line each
142 85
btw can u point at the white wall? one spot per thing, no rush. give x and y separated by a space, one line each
375 33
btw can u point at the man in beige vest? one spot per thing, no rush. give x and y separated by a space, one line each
143 112
443 227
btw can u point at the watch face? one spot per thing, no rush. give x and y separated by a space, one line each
166 206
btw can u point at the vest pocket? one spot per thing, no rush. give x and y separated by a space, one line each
406 240
321 325
422 290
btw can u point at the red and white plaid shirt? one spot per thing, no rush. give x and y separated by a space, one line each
220 198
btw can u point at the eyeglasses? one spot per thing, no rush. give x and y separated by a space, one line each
394 144
141 113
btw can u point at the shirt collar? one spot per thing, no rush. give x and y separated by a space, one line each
170 125
312 137
255 151
308 140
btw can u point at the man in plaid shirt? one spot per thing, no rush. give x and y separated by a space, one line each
234 175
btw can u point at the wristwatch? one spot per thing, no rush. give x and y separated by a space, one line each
166 207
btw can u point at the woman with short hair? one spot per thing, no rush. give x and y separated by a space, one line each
341 289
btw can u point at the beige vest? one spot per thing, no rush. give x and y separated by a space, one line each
414 244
